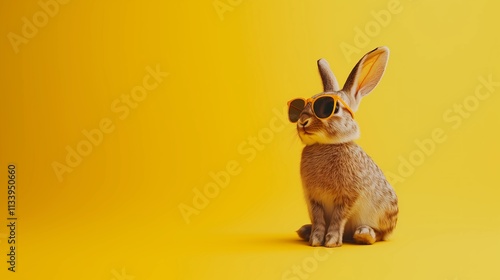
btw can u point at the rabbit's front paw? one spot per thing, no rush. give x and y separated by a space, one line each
333 239
317 238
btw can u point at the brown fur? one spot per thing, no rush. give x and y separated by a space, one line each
347 194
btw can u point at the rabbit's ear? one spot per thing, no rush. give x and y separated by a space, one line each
366 75
329 81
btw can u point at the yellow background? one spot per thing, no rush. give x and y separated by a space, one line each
230 74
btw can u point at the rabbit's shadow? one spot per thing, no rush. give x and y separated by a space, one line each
274 241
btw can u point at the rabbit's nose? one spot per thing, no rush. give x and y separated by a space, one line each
304 123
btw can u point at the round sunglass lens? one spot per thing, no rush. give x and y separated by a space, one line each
295 108
323 107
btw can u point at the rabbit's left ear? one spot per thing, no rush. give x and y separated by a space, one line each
366 75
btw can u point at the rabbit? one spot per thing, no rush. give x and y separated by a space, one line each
347 195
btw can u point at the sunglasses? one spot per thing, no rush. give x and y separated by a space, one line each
323 106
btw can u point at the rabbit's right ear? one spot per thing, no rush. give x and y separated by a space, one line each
329 81
366 75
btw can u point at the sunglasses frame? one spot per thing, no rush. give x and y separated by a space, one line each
312 100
